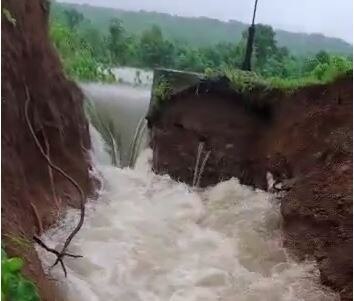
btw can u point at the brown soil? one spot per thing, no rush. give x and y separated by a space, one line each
29 60
304 139
225 128
317 141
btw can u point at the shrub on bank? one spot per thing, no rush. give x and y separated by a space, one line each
13 285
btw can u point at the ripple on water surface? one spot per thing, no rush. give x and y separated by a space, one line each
150 238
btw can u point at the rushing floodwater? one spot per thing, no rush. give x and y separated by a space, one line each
124 105
149 238
133 76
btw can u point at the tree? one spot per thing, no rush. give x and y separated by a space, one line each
268 59
95 42
323 57
231 54
211 56
131 51
265 45
116 42
73 18
154 50
189 59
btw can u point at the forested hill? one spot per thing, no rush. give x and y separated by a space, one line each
202 31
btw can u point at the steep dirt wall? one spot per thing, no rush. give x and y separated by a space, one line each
29 62
306 142
314 132
225 128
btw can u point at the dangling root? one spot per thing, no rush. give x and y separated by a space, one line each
202 167
39 221
50 172
199 153
60 255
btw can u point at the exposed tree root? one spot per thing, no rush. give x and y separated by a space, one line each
51 178
202 167
39 221
60 255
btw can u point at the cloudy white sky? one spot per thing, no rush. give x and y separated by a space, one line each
330 17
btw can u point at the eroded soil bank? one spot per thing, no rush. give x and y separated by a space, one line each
30 202
303 139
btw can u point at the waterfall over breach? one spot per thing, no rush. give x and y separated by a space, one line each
149 238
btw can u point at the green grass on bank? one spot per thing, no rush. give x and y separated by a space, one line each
247 83
256 90
88 54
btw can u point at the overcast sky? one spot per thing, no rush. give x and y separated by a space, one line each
330 17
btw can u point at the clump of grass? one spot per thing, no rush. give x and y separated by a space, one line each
162 91
323 74
249 83
292 84
20 240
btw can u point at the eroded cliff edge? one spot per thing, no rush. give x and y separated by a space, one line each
303 138
30 201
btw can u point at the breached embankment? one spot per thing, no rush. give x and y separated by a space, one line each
304 139
30 200
149 237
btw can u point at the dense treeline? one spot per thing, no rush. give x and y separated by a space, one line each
88 54
199 31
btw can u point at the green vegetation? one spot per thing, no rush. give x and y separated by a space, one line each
13 285
245 82
162 91
199 32
78 56
88 52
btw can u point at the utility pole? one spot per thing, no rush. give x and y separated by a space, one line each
251 33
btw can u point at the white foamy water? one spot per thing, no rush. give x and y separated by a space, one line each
149 238
123 106
133 76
